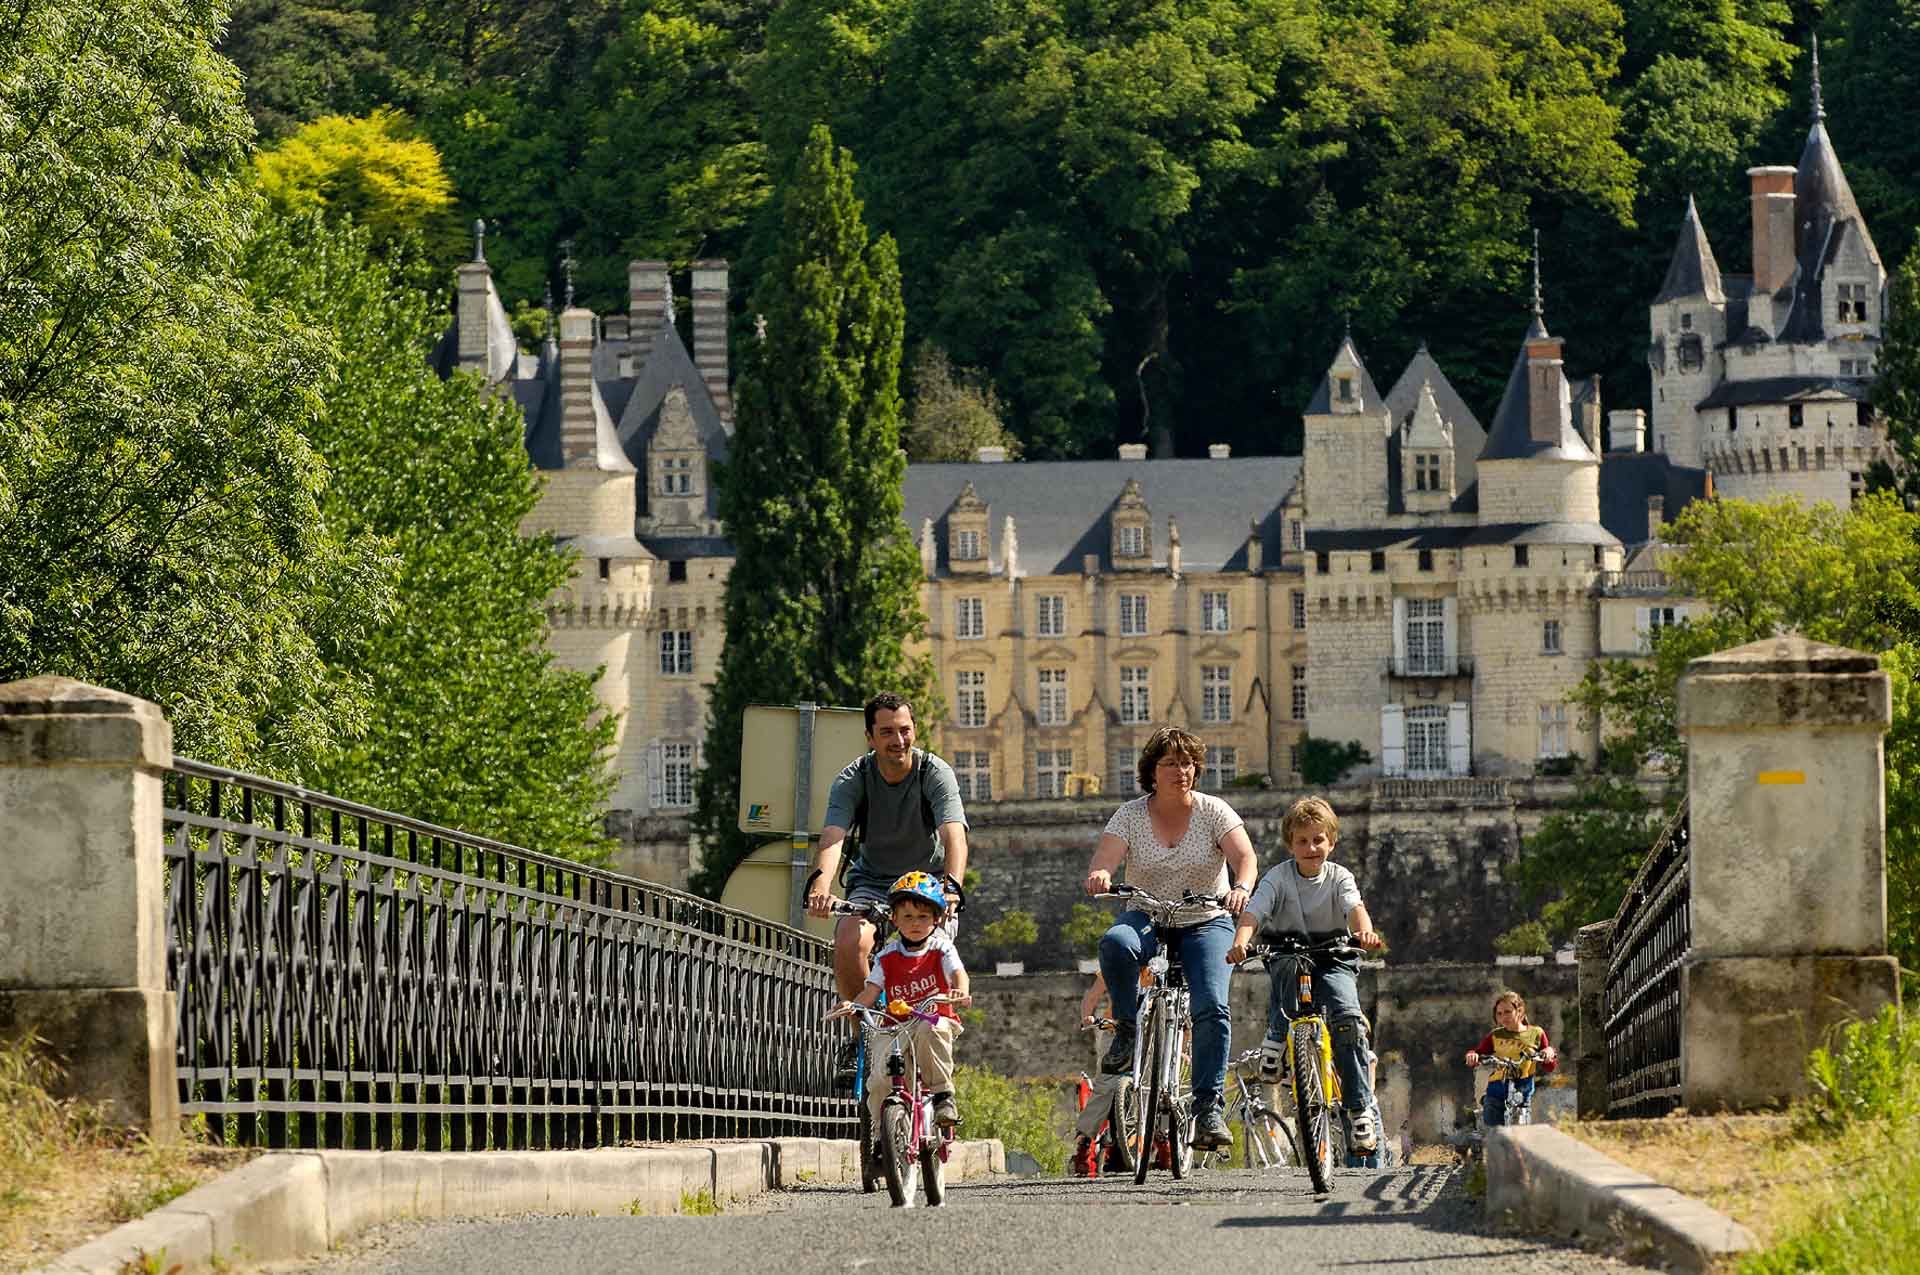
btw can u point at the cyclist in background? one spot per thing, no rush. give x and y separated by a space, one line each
1511 1038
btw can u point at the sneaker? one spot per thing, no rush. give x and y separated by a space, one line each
1162 1152
1363 1136
844 1058
1210 1132
1119 1057
1082 1165
1273 1060
946 1113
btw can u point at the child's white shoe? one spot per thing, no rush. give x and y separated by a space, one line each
1273 1060
1363 1136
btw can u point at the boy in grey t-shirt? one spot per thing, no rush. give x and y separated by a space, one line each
1309 895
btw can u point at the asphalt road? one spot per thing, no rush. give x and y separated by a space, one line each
1415 1220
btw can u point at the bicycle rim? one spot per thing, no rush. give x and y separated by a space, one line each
1148 1094
896 1157
1179 1103
1311 1113
1269 1141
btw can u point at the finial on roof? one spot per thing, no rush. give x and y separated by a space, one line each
1347 320
566 268
666 302
1423 346
760 327
1819 107
479 240
1538 308
553 324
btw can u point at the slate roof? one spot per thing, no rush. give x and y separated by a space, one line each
668 364
1824 212
1469 435
1461 537
1693 272
1628 478
1784 389
1060 508
1370 397
1511 436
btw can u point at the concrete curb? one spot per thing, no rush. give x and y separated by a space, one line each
1545 1180
291 1204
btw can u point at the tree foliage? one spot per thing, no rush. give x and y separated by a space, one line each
372 170
953 412
823 598
160 505
309 58
468 721
1325 761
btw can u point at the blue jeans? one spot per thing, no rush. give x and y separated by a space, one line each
1493 1106
1202 951
1336 994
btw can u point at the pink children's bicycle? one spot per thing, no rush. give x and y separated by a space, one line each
913 1150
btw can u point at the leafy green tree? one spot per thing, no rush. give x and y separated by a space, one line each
1582 859
1896 386
953 412
1870 55
823 599
372 170
302 59
159 503
469 721
1325 761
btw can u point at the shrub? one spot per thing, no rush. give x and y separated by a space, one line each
1527 939
1324 762
1086 925
1013 932
1869 1071
1023 1115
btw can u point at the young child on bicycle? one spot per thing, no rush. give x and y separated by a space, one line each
918 962
1512 1038
1310 895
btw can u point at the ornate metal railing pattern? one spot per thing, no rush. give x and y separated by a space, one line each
346 977
1649 941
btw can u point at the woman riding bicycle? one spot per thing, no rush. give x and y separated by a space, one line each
1174 840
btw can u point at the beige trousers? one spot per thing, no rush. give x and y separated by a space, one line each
932 1047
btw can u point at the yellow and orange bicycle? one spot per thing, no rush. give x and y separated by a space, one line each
1316 1086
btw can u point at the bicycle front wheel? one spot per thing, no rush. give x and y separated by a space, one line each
1123 1126
1179 1102
1147 1090
896 1153
1269 1141
1310 1110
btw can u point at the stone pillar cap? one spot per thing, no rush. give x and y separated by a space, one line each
1788 680
49 694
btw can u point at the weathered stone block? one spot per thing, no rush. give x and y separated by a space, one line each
1749 1022
115 1044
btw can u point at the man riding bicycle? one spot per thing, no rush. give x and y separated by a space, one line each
903 805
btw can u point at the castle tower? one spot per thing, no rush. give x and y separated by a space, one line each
1688 326
1345 450
1788 412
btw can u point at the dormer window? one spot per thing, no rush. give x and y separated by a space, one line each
1344 386
966 545
1852 303
676 476
1426 471
1131 542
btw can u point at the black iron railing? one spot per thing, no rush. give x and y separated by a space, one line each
1649 941
348 977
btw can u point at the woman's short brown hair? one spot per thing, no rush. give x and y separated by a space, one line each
1168 739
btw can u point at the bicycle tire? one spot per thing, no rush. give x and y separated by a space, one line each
896 1154
1270 1143
869 1170
1123 1126
933 1172
1310 1109
1179 1105
1148 1093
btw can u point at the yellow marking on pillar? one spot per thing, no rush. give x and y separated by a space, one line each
1783 777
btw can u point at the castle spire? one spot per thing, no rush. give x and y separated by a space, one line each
1539 325
1819 107
566 268
1692 271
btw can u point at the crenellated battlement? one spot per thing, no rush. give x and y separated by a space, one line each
1778 451
600 608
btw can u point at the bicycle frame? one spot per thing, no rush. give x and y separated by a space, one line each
1519 1104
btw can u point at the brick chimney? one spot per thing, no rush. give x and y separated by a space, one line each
579 439
710 332
1133 451
1546 388
1219 451
1772 200
647 284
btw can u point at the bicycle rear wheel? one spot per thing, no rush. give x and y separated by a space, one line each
896 1153
1311 1112
1123 1126
1147 1089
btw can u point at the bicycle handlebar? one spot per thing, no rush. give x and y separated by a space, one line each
875 912
1293 946
880 1017
1154 903
1491 1062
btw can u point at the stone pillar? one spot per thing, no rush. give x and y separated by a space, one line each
82 903
1590 1064
1786 791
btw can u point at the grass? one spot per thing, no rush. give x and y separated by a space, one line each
698 1203
67 1175
1828 1186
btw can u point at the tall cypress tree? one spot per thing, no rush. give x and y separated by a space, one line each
823 601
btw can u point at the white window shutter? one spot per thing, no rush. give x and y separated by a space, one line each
1399 636
1393 739
656 776
1459 737
1642 633
1450 633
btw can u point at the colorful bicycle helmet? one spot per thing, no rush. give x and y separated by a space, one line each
922 886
